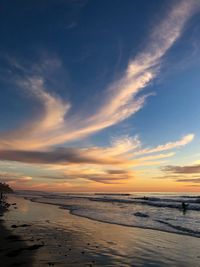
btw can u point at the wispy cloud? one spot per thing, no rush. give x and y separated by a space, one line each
57 124
111 164
120 100
50 120
189 180
105 176
122 151
182 174
14 178
101 176
58 156
168 146
189 169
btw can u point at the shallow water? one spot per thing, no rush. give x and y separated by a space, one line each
154 211
103 244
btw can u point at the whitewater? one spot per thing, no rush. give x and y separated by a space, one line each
156 211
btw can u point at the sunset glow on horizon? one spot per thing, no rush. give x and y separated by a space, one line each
100 96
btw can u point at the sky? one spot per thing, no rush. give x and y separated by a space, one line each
100 96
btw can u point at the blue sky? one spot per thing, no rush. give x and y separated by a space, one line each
99 95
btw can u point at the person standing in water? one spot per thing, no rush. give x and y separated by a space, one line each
184 207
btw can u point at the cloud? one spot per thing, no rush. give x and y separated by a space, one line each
25 179
183 174
105 176
50 119
163 37
100 176
10 177
92 164
168 146
117 154
120 99
189 169
57 123
189 180
159 156
57 156
169 176
192 185
68 160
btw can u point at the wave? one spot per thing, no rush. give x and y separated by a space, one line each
175 202
155 202
177 229
161 213
181 228
112 194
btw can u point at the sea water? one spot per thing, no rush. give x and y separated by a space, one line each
157 211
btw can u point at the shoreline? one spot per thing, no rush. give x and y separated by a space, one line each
113 223
75 241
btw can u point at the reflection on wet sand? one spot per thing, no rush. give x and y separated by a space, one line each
69 240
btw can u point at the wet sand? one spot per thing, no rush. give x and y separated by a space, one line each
63 239
13 249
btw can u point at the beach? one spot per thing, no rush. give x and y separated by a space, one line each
100 133
50 236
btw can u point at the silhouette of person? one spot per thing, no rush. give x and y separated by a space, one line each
184 207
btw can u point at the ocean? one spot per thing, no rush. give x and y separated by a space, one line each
158 211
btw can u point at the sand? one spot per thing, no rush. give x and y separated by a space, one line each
53 237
